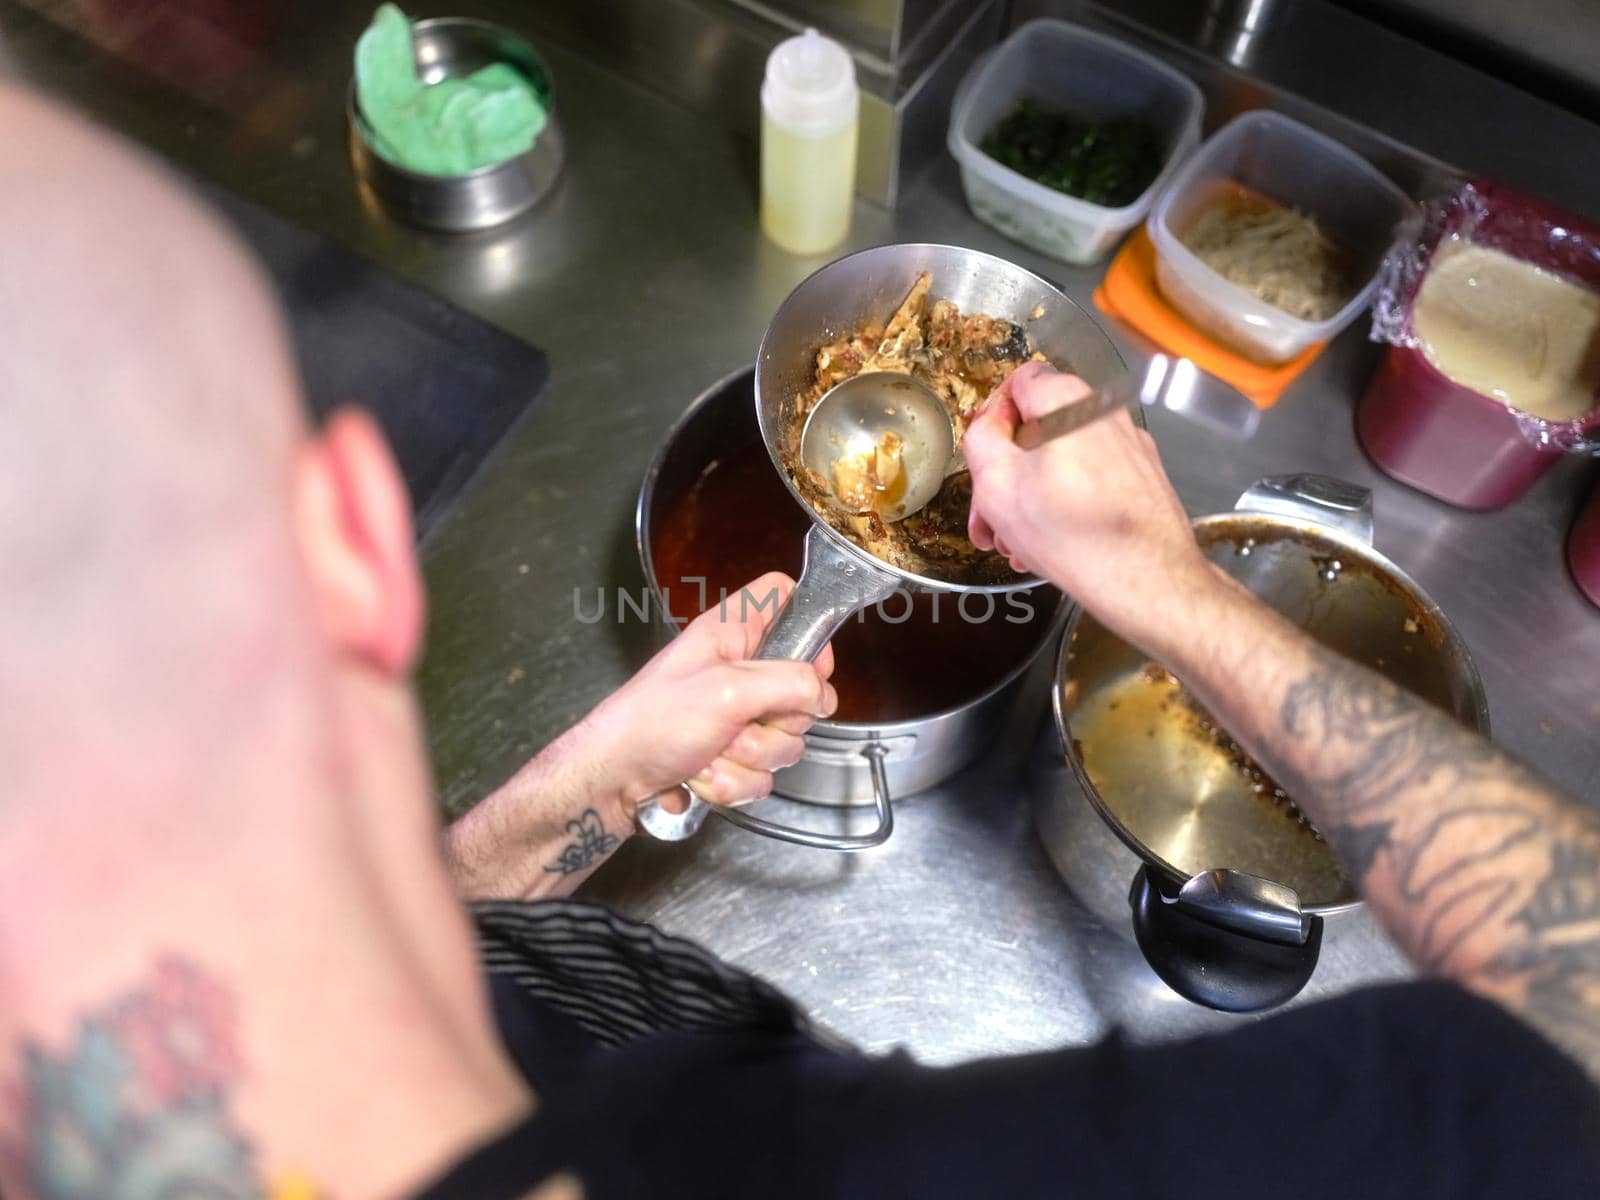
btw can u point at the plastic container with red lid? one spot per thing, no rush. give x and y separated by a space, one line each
1440 436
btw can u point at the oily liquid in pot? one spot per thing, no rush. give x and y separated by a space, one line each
738 521
1190 795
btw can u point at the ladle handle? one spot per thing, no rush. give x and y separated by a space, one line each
1121 392
1174 384
835 583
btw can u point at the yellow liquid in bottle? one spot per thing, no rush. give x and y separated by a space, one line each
806 186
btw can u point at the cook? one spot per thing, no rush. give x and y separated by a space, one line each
234 965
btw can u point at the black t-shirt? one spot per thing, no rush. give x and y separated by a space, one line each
661 1072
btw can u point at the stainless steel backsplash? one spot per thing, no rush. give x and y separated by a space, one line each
894 31
711 54
1549 47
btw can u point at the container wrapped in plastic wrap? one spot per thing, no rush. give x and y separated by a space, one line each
1443 437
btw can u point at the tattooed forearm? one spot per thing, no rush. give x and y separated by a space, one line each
1482 871
136 1105
1403 742
1557 963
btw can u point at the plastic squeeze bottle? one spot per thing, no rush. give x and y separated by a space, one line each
809 110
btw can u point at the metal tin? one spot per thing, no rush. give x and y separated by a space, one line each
1226 868
488 196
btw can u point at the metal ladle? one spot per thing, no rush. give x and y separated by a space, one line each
853 417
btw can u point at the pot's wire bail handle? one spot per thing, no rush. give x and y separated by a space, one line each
835 583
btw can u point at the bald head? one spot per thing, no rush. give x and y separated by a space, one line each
150 419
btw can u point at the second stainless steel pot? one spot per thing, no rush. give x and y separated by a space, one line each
847 762
1159 829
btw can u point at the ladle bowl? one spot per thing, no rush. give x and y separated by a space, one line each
853 420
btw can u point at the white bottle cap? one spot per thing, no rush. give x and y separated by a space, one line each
810 86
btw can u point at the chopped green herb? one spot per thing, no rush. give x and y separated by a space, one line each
1109 162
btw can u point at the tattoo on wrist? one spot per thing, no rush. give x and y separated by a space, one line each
590 843
137 1104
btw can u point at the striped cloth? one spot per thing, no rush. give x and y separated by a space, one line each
619 980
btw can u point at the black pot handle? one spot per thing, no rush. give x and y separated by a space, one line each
1210 964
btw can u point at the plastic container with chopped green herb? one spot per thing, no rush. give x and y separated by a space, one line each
1109 163
1064 137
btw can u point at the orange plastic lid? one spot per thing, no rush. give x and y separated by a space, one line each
1129 293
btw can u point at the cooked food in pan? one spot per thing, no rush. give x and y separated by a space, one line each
962 357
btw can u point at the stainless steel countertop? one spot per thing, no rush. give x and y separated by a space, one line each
645 279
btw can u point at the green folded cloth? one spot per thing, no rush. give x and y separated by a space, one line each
444 128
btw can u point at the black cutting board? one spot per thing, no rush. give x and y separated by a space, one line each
445 386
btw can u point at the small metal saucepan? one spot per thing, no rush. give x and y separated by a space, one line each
1226 888
925 684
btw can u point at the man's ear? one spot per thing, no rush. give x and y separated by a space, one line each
353 522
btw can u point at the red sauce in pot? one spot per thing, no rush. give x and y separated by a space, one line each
738 521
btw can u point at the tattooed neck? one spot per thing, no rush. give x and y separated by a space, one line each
137 1101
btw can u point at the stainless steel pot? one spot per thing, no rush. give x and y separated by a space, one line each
1157 828
846 763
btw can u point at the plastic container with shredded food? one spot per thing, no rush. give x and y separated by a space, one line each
1068 69
1443 437
1285 162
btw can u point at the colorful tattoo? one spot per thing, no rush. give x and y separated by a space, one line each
136 1108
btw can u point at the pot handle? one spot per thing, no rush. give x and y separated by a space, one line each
834 585
1226 940
874 753
1321 499
660 824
